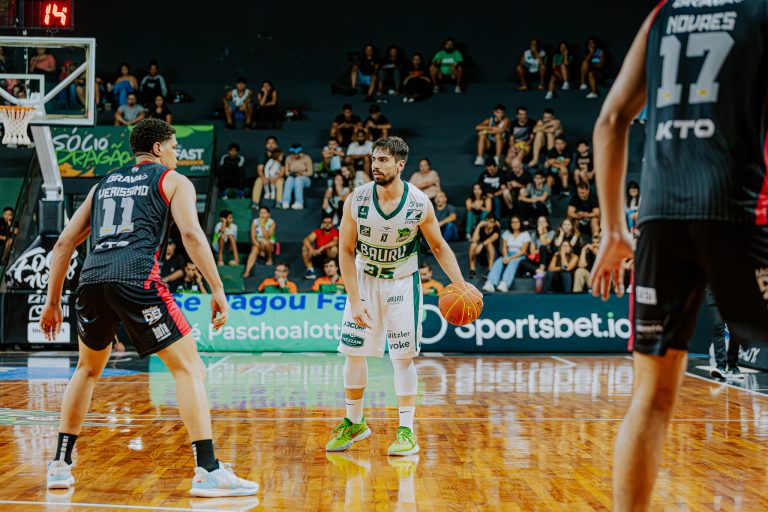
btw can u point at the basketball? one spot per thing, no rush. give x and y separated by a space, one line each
460 303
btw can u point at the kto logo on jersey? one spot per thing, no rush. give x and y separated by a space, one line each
761 275
152 315
681 128
413 216
365 230
403 234
362 212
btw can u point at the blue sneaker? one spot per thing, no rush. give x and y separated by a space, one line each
59 475
220 483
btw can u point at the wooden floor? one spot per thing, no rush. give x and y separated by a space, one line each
496 433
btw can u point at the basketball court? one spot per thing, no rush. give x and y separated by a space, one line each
496 433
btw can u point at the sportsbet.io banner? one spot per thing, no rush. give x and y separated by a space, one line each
509 323
97 151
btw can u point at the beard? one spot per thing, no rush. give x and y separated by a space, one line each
384 180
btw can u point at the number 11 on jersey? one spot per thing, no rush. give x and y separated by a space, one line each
107 226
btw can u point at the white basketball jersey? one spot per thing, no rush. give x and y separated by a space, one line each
388 245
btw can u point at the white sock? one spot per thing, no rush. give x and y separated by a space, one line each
355 410
406 416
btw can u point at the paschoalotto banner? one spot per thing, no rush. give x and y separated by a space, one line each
97 151
509 323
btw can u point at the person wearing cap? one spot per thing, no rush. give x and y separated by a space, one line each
298 171
232 172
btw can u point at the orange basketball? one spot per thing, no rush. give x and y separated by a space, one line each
460 303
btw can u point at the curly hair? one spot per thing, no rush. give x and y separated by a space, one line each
147 132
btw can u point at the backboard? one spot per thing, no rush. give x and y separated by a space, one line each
56 75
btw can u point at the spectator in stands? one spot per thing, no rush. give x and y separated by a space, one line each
43 62
232 172
583 164
271 152
351 179
493 183
376 125
584 210
532 66
333 156
193 281
568 231
333 201
586 261
417 84
520 135
73 95
559 276
542 245
561 69
345 125
274 176
492 134
239 102
633 205
280 283
263 240
172 266
592 67
225 235
447 64
535 199
478 206
429 286
125 84
321 243
544 132
331 282
558 163
152 85
483 239
359 156
266 106
390 73
8 231
298 171
364 72
515 244
130 113
446 217
159 110
426 179
517 181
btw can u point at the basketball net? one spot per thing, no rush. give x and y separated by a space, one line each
15 120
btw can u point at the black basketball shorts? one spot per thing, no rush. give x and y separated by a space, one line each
674 263
150 316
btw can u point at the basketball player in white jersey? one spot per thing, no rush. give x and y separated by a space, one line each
378 255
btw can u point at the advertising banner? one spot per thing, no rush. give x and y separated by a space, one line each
21 317
509 323
97 151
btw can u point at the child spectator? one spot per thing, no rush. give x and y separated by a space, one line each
225 234
271 152
583 164
263 239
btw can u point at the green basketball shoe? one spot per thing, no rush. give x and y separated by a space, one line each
405 443
346 434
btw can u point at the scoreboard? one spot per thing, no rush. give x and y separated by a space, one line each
37 14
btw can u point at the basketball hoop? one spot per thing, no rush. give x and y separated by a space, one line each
15 119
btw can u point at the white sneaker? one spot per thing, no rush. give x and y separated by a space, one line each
496 159
59 475
286 205
502 287
583 87
592 95
479 161
488 287
435 90
457 89
297 206
549 95
566 86
220 483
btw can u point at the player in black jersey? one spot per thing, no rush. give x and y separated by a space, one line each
701 66
127 215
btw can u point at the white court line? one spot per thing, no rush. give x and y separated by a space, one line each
107 505
728 384
217 363
569 364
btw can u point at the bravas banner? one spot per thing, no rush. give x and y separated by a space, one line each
97 151
512 323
